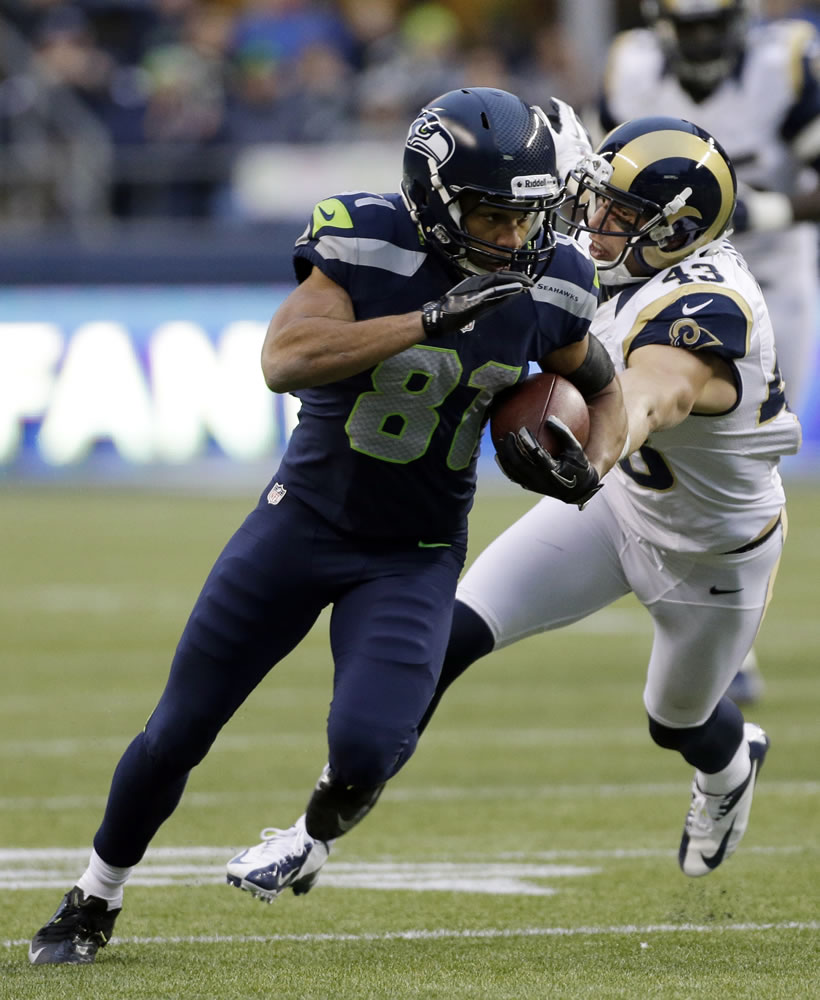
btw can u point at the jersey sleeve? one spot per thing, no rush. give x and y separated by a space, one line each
359 239
695 318
329 242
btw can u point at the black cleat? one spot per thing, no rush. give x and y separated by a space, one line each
80 927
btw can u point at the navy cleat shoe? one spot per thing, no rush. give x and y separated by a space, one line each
286 859
715 824
80 927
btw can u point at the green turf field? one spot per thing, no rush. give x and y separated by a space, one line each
527 851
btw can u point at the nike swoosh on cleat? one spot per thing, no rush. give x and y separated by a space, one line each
720 590
34 955
688 310
717 857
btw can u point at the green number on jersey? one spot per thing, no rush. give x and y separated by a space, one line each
395 421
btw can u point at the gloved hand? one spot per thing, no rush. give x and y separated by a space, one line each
761 211
570 477
470 298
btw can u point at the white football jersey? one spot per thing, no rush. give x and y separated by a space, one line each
712 483
746 114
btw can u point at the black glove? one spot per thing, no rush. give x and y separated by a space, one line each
570 477
470 298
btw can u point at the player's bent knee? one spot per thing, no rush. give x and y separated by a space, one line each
364 755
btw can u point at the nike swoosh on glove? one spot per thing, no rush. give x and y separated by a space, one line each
569 477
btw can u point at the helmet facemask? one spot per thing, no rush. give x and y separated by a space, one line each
475 255
640 222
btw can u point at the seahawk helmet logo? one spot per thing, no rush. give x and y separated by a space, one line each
429 137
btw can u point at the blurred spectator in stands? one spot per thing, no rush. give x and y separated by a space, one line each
373 27
289 27
309 102
25 15
421 59
318 103
485 66
67 55
184 118
552 67
255 96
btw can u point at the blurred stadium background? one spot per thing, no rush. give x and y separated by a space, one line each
157 160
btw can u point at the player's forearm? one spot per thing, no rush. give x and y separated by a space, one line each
607 428
309 352
652 403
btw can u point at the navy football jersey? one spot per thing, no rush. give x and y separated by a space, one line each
392 451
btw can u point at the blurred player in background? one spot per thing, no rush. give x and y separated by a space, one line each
395 367
692 521
756 87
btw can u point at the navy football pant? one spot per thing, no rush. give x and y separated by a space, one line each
392 608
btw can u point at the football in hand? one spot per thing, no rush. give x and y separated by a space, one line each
529 403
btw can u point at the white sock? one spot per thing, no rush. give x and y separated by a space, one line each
734 774
104 881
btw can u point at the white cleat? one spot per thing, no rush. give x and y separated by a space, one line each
715 824
286 859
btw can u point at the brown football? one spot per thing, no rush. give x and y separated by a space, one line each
529 403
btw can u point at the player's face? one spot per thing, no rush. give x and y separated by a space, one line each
613 219
506 228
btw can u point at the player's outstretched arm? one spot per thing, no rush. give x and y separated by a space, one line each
588 366
662 385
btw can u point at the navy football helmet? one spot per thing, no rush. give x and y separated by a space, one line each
664 183
703 39
490 143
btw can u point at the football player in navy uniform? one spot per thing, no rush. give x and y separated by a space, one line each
692 520
412 311
755 85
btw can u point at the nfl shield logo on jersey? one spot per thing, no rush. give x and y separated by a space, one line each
277 492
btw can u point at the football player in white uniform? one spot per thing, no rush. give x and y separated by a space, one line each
756 87
692 521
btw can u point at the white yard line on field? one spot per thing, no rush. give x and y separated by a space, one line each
28 869
433 793
446 933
